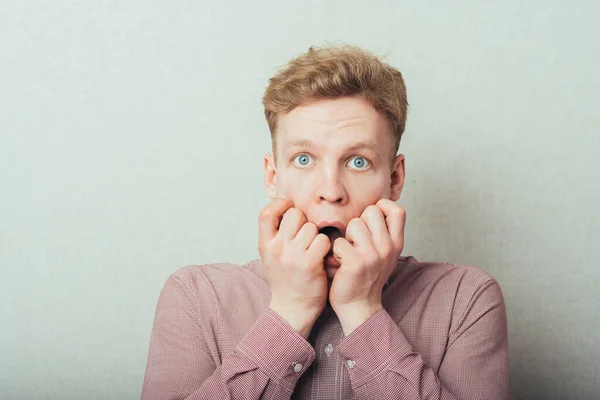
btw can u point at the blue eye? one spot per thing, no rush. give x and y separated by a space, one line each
302 160
359 163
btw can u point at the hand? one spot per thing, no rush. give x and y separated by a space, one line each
292 256
367 257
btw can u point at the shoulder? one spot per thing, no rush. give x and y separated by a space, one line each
224 296
462 292
220 286
460 284
215 276
445 274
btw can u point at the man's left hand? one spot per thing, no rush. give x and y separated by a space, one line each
367 257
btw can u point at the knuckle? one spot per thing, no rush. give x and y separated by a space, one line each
265 214
302 217
399 210
311 228
384 202
294 213
354 222
371 210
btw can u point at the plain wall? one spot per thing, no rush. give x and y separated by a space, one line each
131 144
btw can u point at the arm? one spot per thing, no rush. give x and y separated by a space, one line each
180 364
475 365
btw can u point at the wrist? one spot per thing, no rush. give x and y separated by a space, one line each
299 320
354 315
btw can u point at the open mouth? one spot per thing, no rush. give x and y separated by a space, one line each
332 233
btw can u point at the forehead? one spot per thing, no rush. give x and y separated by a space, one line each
336 122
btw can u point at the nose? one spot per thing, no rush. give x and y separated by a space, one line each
330 188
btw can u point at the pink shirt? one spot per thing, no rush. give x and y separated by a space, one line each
442 335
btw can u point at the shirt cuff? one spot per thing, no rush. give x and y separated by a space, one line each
372 347
281 352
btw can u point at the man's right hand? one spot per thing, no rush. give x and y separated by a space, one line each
292 252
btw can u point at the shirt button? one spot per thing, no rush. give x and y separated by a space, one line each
329 349
350 364
297 367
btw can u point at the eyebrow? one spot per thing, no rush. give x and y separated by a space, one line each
300 143
363 144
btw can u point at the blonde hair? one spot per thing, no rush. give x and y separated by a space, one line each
338 71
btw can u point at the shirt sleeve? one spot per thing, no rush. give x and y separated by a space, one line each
383 365
266 364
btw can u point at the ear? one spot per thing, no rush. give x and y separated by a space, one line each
270 172
398 175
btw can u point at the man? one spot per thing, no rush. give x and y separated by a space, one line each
331 310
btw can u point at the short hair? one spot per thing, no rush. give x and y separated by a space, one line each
338 71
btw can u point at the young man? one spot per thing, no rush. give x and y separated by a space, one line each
331 310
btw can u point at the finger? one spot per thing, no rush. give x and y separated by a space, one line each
395 218
342 249
358 234
306 235
320 246
375 221
292 221
270 218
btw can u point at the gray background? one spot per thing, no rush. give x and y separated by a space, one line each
131 144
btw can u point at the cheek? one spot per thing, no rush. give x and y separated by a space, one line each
370 190
293 186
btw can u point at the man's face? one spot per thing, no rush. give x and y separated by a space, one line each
334 160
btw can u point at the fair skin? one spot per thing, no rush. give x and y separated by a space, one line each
333 168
